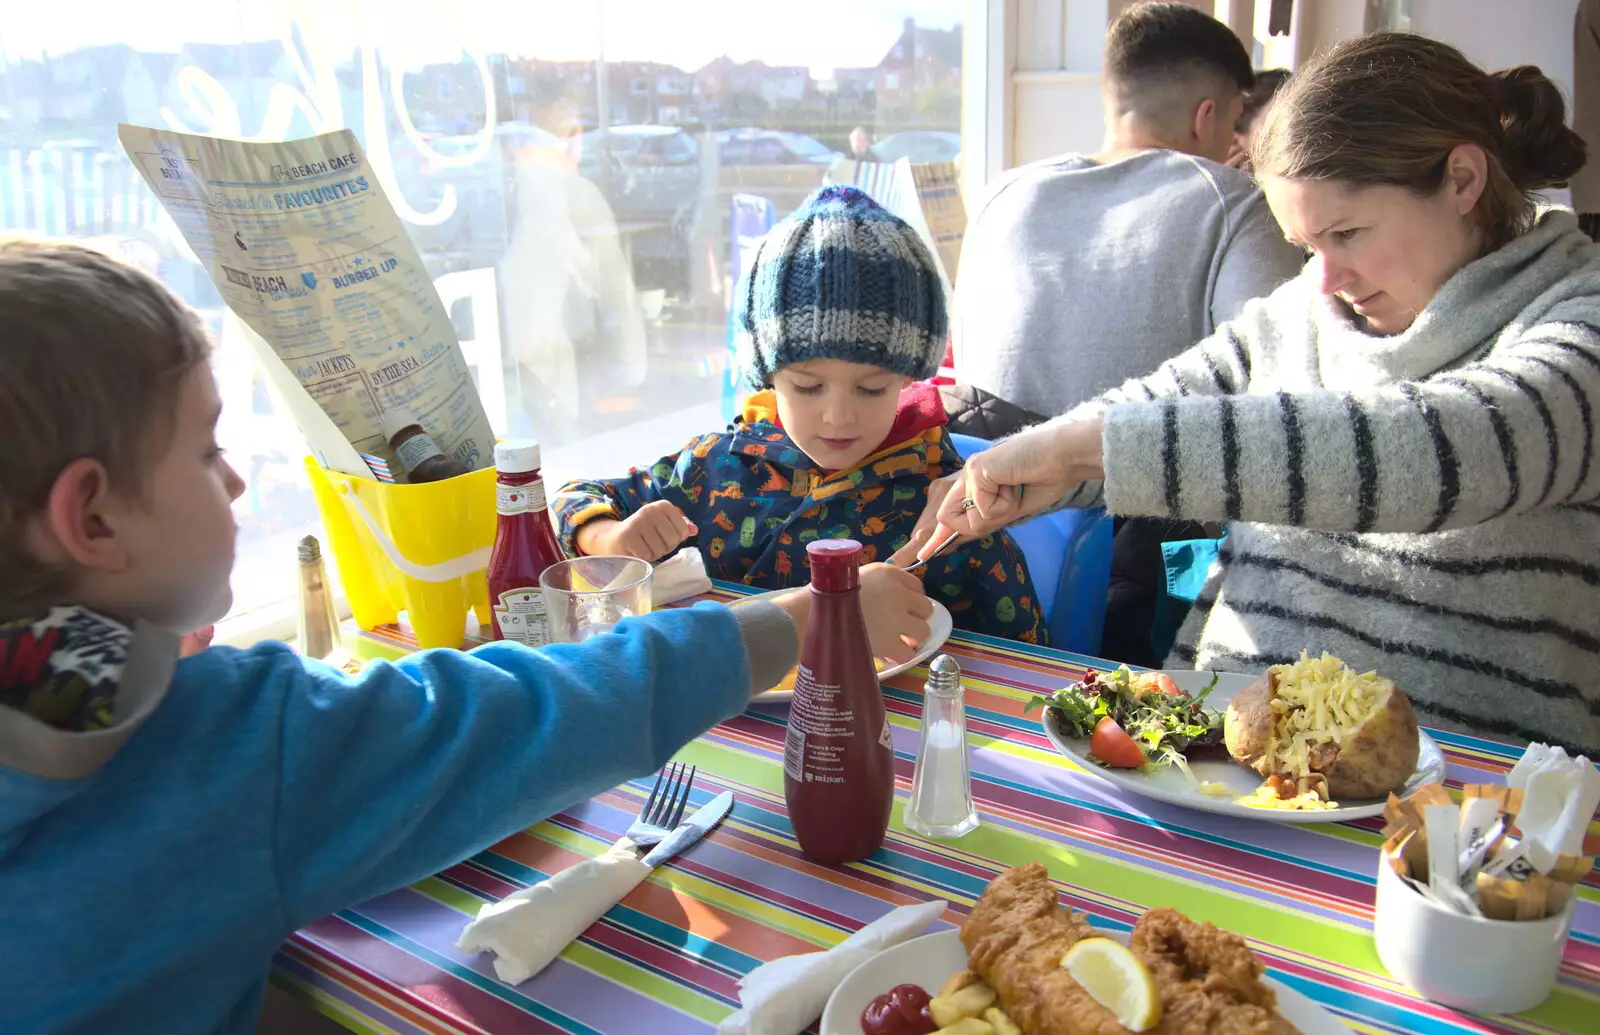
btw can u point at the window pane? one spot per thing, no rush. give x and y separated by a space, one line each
568 173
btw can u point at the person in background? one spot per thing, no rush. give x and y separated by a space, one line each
1403 439
861 144
1268 82
1138 251
1142 248
572 319
187 815
838 322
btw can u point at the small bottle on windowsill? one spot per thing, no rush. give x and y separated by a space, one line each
420 456
316 625
317 620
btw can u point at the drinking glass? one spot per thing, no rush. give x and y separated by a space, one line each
587 596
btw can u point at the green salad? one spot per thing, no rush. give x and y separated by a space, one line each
1137 719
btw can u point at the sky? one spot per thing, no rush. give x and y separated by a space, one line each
820 34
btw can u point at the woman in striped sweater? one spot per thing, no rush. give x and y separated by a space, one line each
1402 441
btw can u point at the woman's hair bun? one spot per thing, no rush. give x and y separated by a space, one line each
1390 107
1540 149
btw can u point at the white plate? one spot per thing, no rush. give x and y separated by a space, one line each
940 626
929 960
1170 785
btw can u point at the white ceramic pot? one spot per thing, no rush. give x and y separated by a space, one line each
1468 962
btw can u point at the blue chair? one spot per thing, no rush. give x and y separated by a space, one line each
1069 557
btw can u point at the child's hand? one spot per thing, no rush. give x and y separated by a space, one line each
652 532
896 609
195 642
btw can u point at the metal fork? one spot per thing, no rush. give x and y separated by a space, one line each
938 551
665 807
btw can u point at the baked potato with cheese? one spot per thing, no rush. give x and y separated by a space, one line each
1316 716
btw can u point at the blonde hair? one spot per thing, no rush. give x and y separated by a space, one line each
93 353
1389 107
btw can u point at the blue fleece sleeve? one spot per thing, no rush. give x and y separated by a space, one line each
412 766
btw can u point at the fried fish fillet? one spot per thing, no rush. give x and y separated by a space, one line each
1209 980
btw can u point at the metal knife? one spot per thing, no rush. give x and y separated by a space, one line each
692 829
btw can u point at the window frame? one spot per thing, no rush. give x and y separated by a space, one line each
988 95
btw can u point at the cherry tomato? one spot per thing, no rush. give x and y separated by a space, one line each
1111 744
1163 682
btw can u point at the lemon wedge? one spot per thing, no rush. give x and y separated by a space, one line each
1116 980
581 584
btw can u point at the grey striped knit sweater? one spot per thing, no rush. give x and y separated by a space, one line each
1423 504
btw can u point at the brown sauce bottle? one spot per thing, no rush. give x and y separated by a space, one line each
838 760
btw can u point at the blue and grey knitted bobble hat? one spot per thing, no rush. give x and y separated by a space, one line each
840 278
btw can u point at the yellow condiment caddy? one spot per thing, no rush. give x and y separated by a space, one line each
422 549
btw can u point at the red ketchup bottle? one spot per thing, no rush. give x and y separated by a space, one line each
524 546
838 761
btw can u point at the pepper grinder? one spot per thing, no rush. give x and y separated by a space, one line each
316 627
941 789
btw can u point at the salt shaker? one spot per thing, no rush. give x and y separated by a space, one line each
941 790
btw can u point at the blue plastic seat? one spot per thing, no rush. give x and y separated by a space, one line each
1069 558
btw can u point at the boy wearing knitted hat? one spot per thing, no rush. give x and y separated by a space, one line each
840 318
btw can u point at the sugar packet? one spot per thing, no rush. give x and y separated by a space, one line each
1445 877
1464 858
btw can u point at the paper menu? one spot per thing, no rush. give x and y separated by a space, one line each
306 250
938 187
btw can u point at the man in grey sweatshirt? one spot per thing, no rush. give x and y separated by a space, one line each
1082 271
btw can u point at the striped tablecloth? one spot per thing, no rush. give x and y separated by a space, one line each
668 959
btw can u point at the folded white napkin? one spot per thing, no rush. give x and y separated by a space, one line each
1559 797
785 995
529 928
679 576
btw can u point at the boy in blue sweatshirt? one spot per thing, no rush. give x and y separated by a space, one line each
165 824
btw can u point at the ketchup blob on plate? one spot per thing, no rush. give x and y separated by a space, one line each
903 1010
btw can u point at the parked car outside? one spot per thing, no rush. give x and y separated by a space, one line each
772 147
919 145
477 232
650 175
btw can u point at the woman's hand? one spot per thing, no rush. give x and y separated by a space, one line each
652 532
1018 478
937 491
